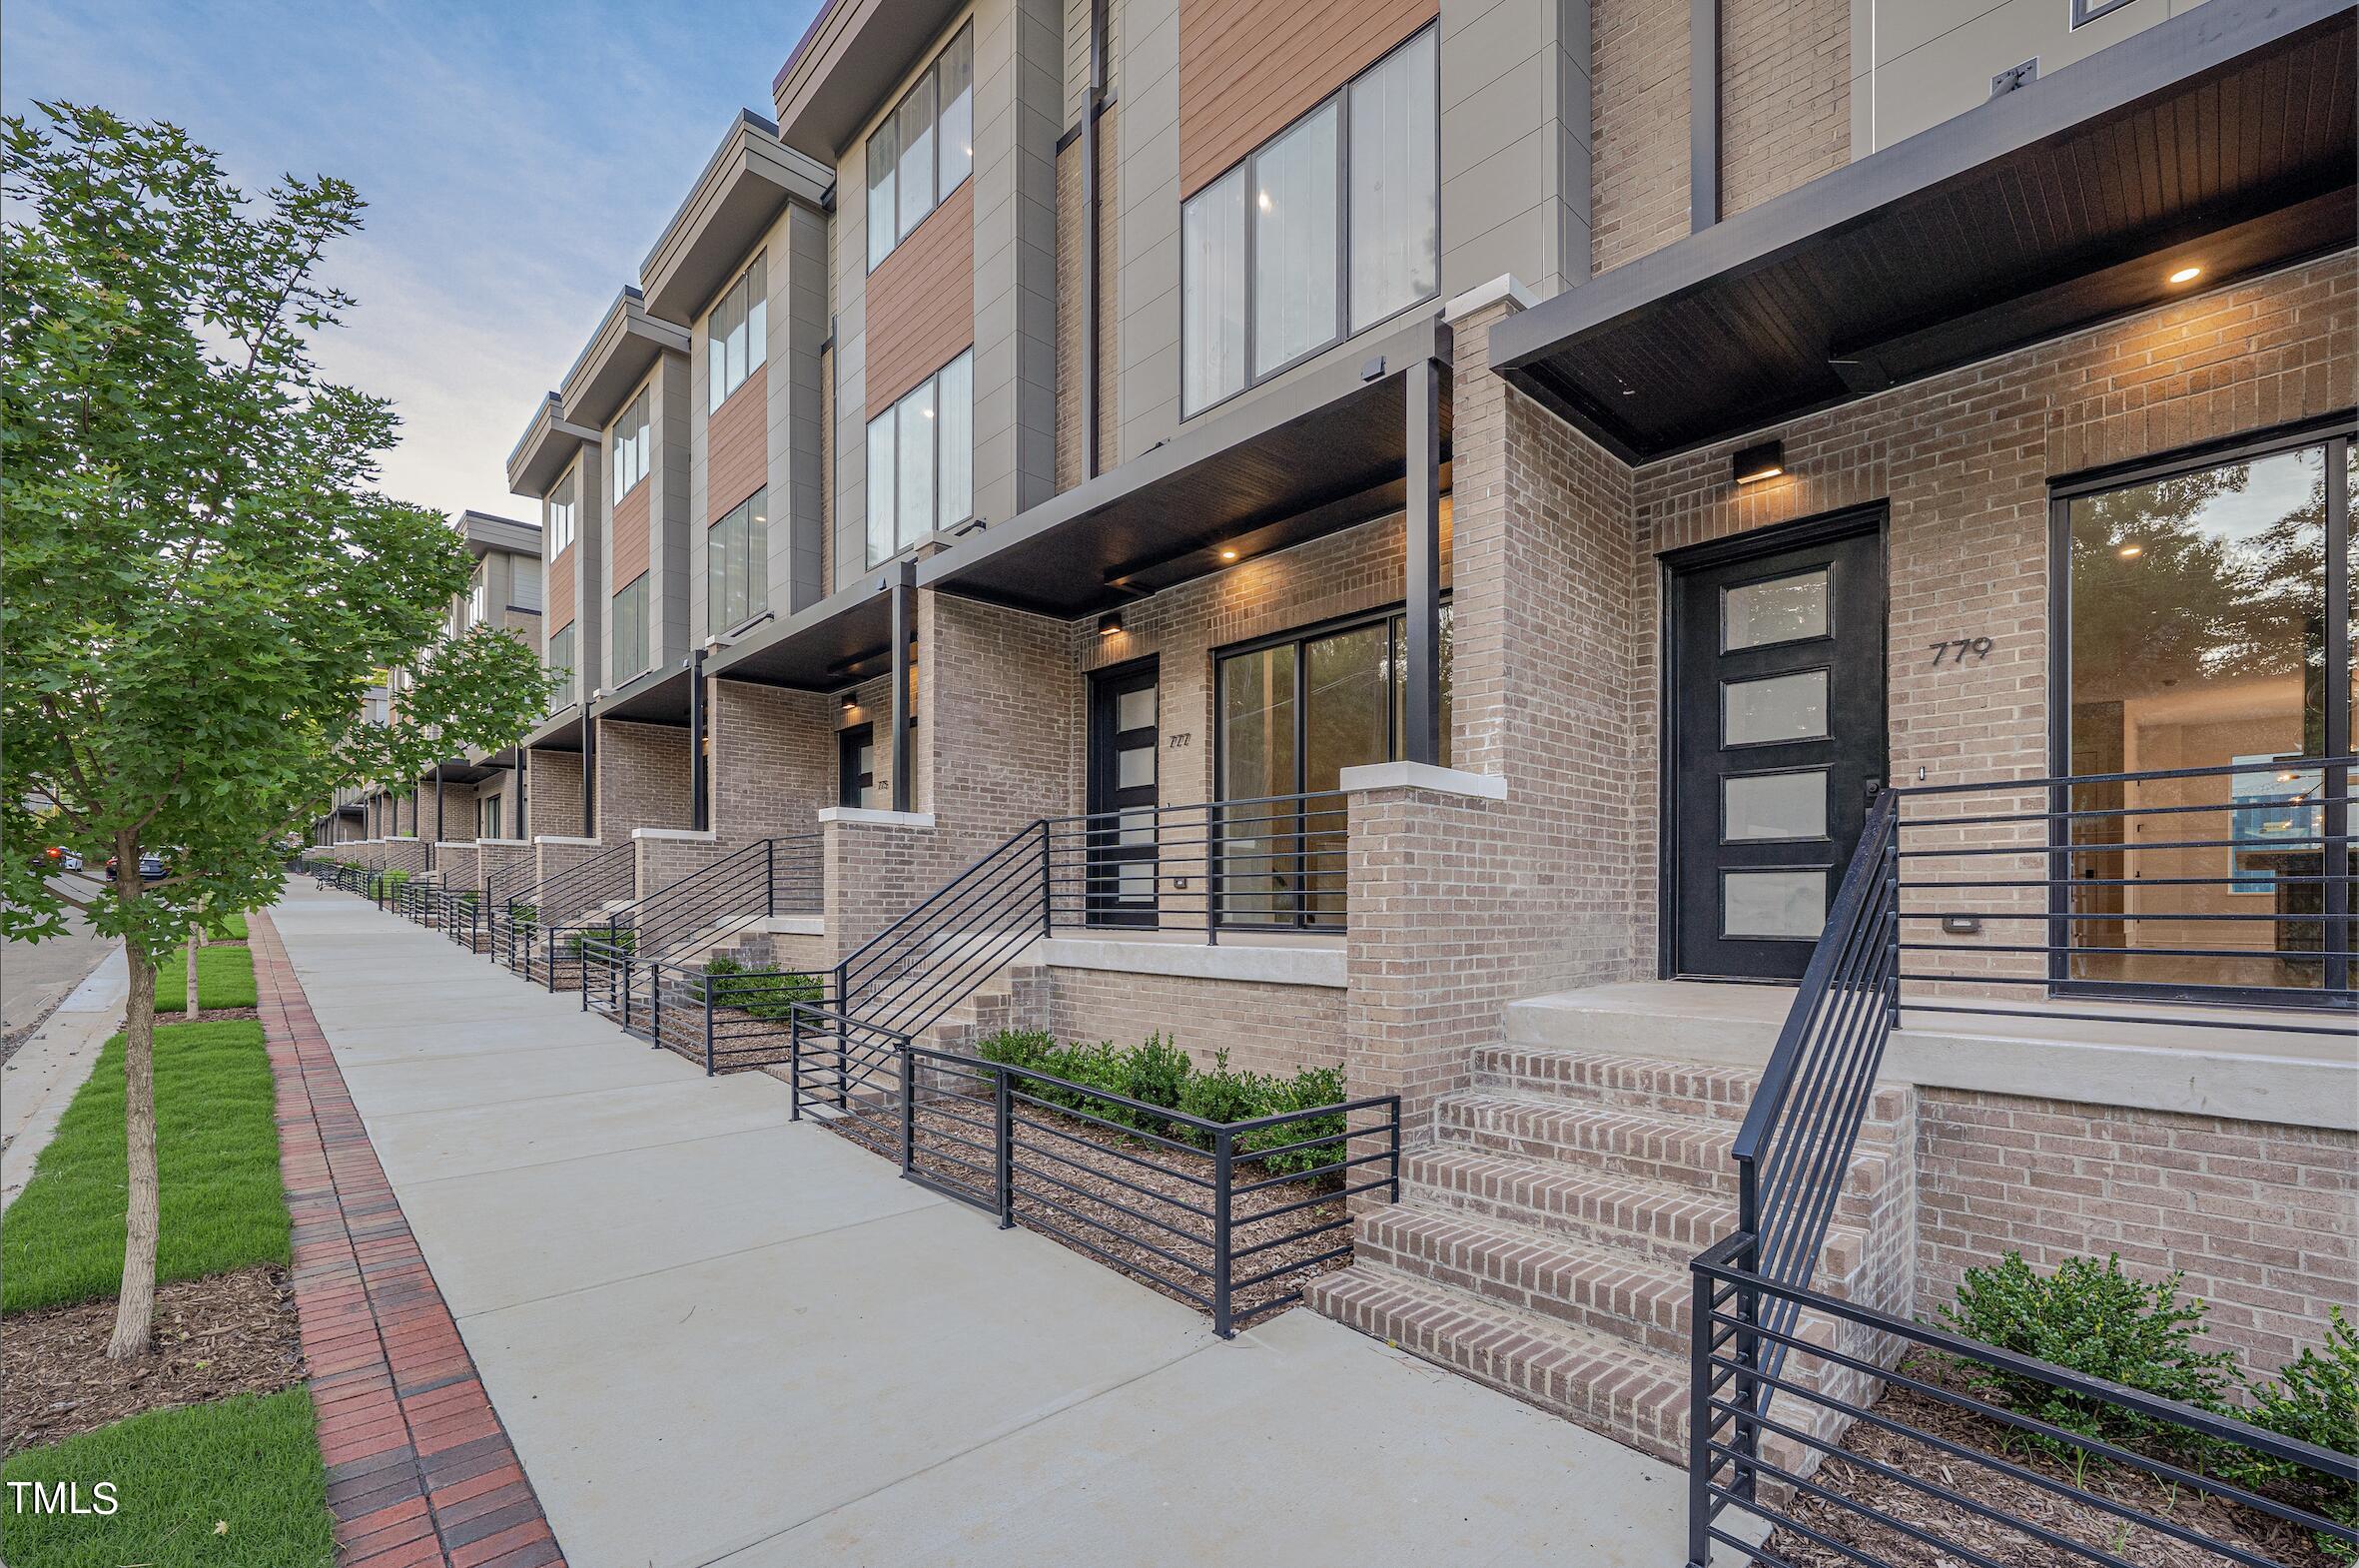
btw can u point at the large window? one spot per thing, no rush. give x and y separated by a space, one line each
1331 226
487 816
478 601
562 515
2199 637
921 460
923 148
736 334
629 655
1294 714
737 565
630 446
560 659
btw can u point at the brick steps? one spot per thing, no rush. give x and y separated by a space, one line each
1601 1288
1650 1083
1598 1380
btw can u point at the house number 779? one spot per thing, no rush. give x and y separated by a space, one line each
1955 651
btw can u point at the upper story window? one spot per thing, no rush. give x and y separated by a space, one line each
921 460
630 446
558 656
562 518
478 601
737 565
924 147
628 657
737 333
1328 228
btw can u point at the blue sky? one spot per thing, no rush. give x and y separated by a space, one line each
518 157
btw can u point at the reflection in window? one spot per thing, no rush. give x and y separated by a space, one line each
629 655
736 335
921 150
2199 639
737 565
921 460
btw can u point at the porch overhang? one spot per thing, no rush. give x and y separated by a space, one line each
2221 139
1312 457
852 56
617 358
562 733
656 697
548 444
844 638
459 770
746 183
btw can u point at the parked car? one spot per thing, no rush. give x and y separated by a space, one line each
151 866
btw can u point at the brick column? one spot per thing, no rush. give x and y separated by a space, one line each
1432 953
495 855
663 856
642 778
773 760
455 863
404 854
877 866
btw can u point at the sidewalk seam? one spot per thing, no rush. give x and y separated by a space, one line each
421 1471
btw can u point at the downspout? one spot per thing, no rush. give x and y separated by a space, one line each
1092 105
699 807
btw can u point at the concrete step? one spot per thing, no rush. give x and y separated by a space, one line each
1659 1221
1689 1021
1600 1381
1606 1290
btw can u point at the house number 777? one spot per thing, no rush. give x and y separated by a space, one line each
1955 651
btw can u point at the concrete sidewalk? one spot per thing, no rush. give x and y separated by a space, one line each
716 1338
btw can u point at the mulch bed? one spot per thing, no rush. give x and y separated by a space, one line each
2245 1528
1101 1176
208 1016
226 1334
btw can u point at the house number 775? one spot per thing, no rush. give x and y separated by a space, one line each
1955 651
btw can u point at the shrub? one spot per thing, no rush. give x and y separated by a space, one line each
2090 1318
624 939
763 991
1220 1094
1307 1090
2314 1399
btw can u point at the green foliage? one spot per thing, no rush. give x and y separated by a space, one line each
2314 1399
225 979
1160 1073
762 992
2092 1318
251 1464
200 574
216 1151
624 940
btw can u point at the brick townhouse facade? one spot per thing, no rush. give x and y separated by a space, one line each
1573 457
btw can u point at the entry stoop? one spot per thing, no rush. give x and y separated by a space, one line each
1542 1239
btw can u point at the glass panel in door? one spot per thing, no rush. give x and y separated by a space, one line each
1255 878
1121 878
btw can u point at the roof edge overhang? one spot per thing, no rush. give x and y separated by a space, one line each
826 646
486 532
548 444
1312 457
657 696
850 58
2115 82
562 733
626 345
749 180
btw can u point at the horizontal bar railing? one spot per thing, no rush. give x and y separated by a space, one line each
1228 1217
1983 1482
572 904
1272 863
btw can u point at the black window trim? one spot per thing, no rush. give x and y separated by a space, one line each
1300 636
1345 332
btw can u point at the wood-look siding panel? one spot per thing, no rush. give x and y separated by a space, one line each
560 591
737 447
1248 67
630 533
920 302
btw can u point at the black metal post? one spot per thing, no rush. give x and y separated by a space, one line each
1048 884
438 803
2334 859
1223 1172
794 1063
700 816
1703 155
1421 526
904 588
523 771
909 1111
1700 1422
1004 1108
589 752
708 1026
1092 105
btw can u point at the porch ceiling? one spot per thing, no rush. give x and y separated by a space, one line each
1321 455
822 647
656 697
2221 138
562 733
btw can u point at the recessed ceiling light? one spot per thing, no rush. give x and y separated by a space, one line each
1229 554
2186 274
2131 551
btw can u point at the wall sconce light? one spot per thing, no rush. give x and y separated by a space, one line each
1764 462
850 702
1110 624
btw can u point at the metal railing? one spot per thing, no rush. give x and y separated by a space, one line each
503 888
568 904
2067 895
1226 1216
1934 1486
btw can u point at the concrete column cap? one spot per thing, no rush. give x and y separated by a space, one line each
507 843
885 819
555 838
1424 776
1482 295
683 835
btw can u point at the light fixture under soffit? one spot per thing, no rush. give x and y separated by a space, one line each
1755 463
1229 552
1110 624
2188 274
2131 551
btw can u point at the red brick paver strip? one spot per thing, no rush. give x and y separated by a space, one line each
419 1471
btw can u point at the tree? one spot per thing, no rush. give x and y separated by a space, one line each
199 574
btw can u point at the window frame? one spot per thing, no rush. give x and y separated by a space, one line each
565 518
635 591
570 667
2087 11
1341 101
928 76
757 581
756 348
635 446
1301 638
892 411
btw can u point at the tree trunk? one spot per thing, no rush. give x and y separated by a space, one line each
195 937
137 1304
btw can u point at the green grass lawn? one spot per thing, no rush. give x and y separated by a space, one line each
251 1464
225 979
223 1207
232 925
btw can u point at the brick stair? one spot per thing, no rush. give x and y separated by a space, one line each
1542 1239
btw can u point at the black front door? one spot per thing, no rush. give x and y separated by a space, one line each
1776 691
856 765
1119 880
